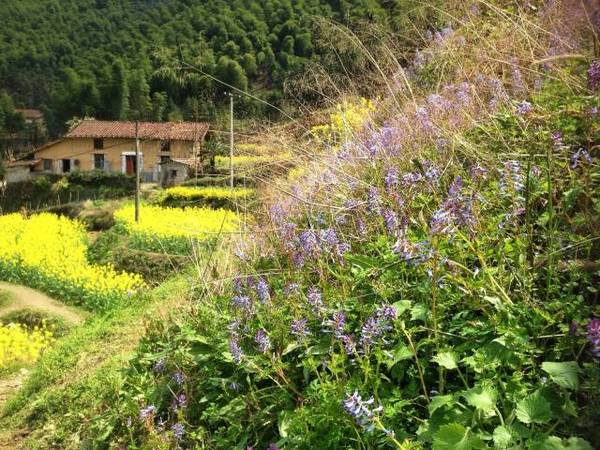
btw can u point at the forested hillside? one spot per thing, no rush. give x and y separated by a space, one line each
159 59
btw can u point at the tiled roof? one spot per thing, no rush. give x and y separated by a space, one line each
180 131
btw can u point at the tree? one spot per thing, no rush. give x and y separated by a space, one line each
231 73
118 92
159 106
140 104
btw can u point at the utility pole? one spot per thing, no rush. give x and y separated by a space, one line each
231 141
137 171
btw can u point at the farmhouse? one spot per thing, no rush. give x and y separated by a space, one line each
110 146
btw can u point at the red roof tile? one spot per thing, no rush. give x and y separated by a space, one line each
178 131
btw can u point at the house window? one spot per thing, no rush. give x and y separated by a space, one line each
47 165
66 165
98 161
98 144
165 146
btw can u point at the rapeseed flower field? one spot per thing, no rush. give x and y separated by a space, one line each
174 230
48 252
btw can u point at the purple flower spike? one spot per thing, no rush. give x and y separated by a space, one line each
263 341
315 299
178 430
361 410
299 328
148 411
262 290
235 349
391 179
593 336
524 108
581 155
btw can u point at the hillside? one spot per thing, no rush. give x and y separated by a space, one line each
160 59
414 270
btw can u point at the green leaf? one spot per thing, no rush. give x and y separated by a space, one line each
455 437
534 409
440 400
401 306
419 312
482 398
447 360
565 374
400 353
502 437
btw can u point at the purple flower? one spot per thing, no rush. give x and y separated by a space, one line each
524 108
360 226
238 285
391 179
299 328
361 410
178 430
179 402
342 248
159 366
262 290
147 412
178 377
557 139
309 243
235 349
593 336
594 76
455 211
337 323
373 199
329 238
263 341
391 220
377 325
349 343
242 302
411 178
512 178
272 447
315 299
581 155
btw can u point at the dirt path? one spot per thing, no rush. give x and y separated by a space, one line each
25 298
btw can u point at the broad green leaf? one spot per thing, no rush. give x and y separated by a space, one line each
400 353
455 437
401 306
565 374
556 443
502 437
447 360
419 312
534 409
483 398
440 400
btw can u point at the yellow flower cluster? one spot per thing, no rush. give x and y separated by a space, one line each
347 119
240 162
48 252
203 193
19 347
174 230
